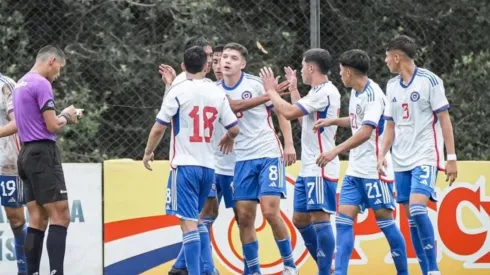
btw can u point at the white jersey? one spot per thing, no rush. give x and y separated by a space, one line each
257 138
179 78
225 163
366 108
195 108
322 101
9 146
413 108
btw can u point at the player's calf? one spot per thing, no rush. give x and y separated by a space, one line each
271 210
246 212
302 221
386 223
33 246
325 240
344 221
17 221
59 215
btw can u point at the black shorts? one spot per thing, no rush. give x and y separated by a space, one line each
40 169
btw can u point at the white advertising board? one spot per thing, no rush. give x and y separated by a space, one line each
84 239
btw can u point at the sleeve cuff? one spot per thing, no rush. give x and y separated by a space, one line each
231 125
164 123
388 118
10 111
302 108
442 109
370 123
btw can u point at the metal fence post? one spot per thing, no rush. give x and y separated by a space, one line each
315 23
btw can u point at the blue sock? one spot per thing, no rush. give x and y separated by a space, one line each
309 236
208 222
192 251
251 252
345 243
286 252
397 244
20 235
326 246
207 266
417 246
418 212
180 261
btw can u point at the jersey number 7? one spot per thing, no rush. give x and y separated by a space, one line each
205 117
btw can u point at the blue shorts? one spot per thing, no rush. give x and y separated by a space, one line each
187 190
259 177
420 180
11 191
314 194
367 193
223 188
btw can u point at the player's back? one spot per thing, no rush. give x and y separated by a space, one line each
413 109
257 137
200 104
9 146
367 108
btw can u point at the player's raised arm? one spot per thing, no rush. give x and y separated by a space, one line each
440 106
228 119
169 108
242 105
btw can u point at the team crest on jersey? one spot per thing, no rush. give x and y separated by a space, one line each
246 95
414 96
358 109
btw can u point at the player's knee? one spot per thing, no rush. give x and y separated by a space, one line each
246 218
38 220
15 216
60 214
301 220
271 214
383 214
320 216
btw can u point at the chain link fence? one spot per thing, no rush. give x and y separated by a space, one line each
114 48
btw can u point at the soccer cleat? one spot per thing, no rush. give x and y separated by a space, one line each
289 271
178 271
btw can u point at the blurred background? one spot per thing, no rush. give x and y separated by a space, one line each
114 48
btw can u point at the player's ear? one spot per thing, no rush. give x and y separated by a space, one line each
243 65
182 66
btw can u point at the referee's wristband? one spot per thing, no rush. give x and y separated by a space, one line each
67 117
451 157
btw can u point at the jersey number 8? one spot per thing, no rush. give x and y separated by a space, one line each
207 119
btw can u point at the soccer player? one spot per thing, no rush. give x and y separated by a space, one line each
362 186
11 191
315 189
259 169
39 161
418 121
193 108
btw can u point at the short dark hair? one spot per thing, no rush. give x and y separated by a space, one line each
320 57
356 59
50 51
237 47
196 41
403 43
195 59
219 48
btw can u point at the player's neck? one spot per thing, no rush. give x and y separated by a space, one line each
318 80
360 83
232 80
407 69
194 76
39 70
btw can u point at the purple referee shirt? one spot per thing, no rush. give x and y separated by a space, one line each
33 95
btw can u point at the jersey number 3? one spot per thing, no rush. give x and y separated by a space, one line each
205 117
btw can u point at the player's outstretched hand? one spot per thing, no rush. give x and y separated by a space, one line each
325 158
267 75
226 144
289 155
168 74
382 165
283 88
146 159
451 171
291 77
322 123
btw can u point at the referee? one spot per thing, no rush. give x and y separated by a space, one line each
39 161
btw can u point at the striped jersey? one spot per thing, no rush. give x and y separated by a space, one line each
414 108
257 138
9 146
366 108
322 101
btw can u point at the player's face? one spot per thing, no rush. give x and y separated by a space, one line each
392 61
55 68
306 72
232 62
209 54
345 74
216 65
